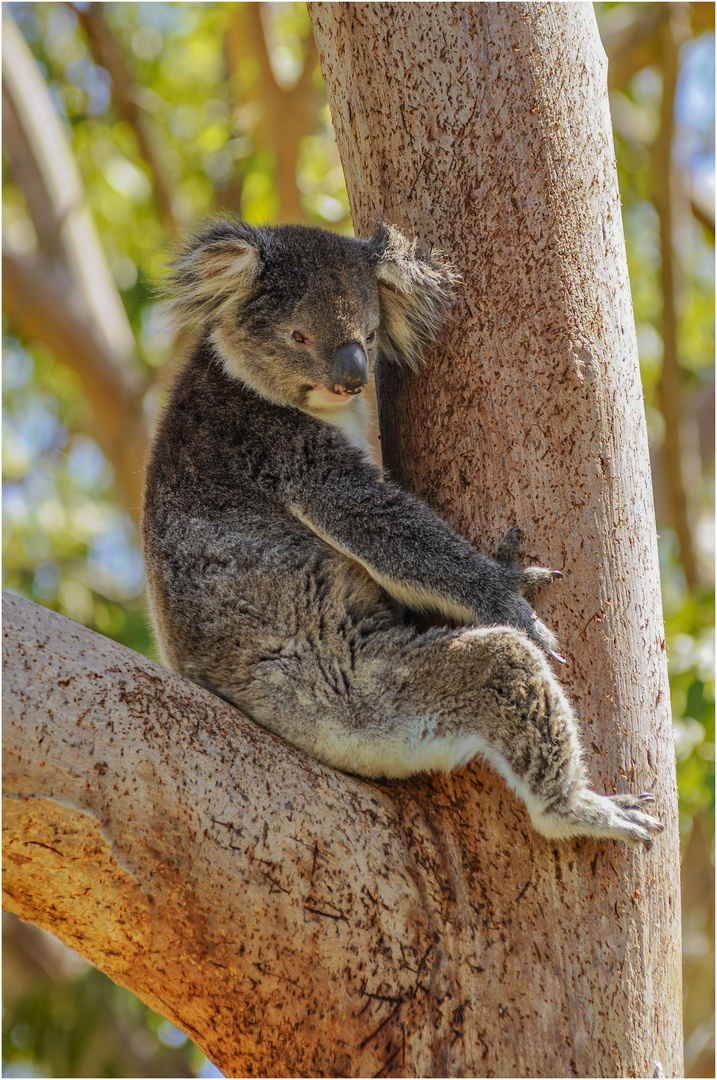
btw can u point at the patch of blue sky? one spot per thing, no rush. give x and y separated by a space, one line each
35 428
695 113
114 562
14 503
18 367
87 465
695 102
181 19
95 81
46 580
209 1071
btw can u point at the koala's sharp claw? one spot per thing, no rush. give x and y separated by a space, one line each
508 547
556 573
559 659
646 796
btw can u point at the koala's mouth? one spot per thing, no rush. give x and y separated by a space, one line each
335 396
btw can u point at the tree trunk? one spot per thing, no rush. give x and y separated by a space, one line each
484 129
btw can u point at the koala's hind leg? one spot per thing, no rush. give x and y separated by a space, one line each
490 692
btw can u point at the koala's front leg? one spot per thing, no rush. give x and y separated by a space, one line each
411 552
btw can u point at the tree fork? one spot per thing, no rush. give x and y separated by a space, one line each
484 130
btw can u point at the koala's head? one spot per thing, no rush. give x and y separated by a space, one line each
300 314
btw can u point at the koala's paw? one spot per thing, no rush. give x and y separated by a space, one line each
634 825
532 577
525 582
508 547
616 817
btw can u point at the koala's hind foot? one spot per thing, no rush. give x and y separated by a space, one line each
619 817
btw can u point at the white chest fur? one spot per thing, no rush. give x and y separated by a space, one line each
352 418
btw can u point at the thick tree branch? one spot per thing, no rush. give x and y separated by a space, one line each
268 906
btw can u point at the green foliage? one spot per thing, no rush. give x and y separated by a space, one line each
690 633
88 1026
67 542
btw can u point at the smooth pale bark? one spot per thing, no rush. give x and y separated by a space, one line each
484 130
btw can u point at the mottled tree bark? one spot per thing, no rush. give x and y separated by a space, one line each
484 129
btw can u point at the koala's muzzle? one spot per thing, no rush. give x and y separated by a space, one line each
350 370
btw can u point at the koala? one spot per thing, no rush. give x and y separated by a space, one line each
287 574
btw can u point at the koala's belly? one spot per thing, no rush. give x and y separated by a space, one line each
226 598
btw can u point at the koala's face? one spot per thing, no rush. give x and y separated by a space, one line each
301 315
310 329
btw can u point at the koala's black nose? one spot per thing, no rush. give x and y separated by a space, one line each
350 369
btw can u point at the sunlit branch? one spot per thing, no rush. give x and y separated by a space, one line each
48 143
287 113
64 295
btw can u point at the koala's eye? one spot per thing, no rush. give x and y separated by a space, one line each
299 337
370 338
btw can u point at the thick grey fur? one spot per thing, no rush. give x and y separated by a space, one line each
284 568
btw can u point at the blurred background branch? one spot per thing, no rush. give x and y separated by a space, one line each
63 294
126 98
671 205
122 122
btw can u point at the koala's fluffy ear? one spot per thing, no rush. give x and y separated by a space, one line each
215 267
415 292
